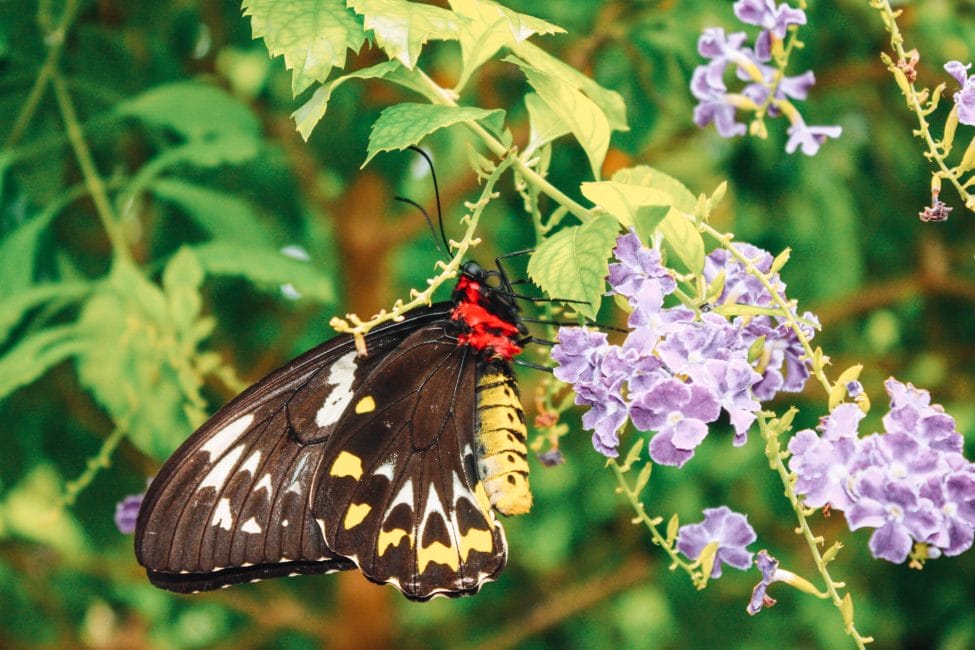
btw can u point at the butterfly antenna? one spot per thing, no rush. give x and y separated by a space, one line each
426 216
436 193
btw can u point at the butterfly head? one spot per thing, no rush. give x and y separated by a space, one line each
485 309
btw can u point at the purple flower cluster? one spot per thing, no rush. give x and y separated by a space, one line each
965 98
677 370
728 530
911 482
716 104
127 513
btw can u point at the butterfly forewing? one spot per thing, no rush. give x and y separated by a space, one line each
399 493
233 503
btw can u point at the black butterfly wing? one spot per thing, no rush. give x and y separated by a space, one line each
400 494
233 503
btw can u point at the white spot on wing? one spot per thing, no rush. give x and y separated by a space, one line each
340 376
222 439
250 465
217 476
222 516
251 526
405 495
386 469
265 482
461 492
295 485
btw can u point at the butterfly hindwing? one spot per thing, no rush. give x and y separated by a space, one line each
400 494
233 503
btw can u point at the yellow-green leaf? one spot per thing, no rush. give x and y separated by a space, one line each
311 112
402 28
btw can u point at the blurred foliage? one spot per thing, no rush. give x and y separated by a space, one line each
116 344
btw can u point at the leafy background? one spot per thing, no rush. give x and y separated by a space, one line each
116 351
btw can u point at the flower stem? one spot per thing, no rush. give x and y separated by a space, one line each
773 452
96 186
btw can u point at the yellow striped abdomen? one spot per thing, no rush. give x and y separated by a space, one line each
500 440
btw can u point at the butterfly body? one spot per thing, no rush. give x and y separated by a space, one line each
393 462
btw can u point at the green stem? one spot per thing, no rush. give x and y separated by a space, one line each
94 465
647 521
889 17
96 185
773 452
444 98
55 38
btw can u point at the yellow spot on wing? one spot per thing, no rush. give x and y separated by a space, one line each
482 500
365 405
438 553
475 540
389 538
347 465
355 514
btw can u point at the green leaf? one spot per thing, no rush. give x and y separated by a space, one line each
222 215
192 109
609 101
401 28
314 36
546 125
684 240
269 269
181 280
643 477
137 363
28 511
13 308
624 201
645 176
492 27
311 112
573 263
583 117
17 253
35 354
406 124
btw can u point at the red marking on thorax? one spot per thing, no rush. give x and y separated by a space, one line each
486 331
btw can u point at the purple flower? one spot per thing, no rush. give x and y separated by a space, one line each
679 413
768 565
729 530
953 498
713 106
768 16
639 275
127 513
722 50
729 382
911 413
965 98
823 463
809 138
895 510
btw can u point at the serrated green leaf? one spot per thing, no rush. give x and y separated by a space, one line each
314 36
222 215
585 118
15 307
682 239
609 101
545 125
624 201
573 263
311 112
266 269
136 364
189 109
645 176
491 27
402 28
35 354
403 125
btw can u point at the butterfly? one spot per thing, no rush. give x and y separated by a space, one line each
394 463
